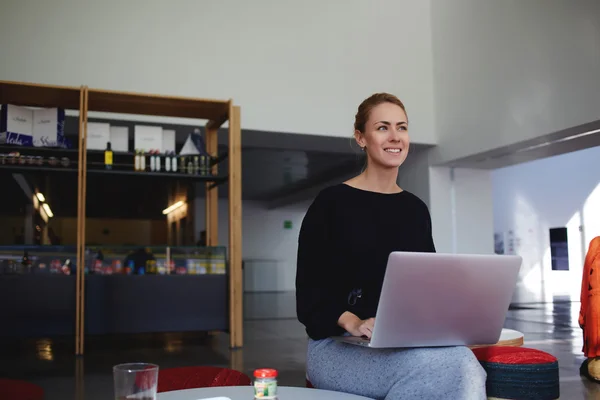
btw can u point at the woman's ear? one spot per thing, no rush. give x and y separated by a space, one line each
360 139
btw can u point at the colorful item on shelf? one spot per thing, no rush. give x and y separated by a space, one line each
117 267
194 145
55 266
16 125
27 127
66 268
97 269
108 156
130 268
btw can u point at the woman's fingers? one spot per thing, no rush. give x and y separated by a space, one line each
370 323
366 330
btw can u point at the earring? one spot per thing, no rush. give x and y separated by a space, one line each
363 148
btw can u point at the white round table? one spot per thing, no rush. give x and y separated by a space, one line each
508 337
247 393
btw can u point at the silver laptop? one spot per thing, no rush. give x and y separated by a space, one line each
435 299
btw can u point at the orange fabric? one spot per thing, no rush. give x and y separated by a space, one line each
589 313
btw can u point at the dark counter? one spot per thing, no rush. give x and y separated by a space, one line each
39 305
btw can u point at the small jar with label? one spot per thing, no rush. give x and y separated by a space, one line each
265 384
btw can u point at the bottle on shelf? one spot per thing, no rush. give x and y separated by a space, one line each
157 160
66 268
108 156
152 161
137 160
168 161
202 167
196 166
142 160
173 161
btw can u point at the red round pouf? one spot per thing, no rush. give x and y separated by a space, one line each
13 389
199 377
519 373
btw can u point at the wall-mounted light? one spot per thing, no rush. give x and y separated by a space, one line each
46 208
40 197
43 215
173 207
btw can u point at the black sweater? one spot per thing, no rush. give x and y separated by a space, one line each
344 244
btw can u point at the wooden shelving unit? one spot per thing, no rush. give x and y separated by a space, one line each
216 112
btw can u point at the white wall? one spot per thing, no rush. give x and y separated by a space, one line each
299 67
460 204
461 210
507 71
413 175
263 237
531 198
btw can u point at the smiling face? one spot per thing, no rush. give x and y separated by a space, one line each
385 136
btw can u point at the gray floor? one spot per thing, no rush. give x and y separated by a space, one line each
273 338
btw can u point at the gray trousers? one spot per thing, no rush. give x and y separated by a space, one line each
418 373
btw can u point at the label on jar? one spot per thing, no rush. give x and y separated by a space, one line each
265 390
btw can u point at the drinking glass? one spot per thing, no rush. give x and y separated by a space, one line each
135 381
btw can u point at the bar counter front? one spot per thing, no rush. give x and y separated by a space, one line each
127 290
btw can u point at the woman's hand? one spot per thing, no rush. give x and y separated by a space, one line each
356 326
363 328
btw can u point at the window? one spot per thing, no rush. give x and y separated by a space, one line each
559 249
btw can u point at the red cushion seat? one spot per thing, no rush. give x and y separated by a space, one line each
13 389
519 373
199 377
513 355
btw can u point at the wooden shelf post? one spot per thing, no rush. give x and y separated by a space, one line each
235 228
212 194
81 195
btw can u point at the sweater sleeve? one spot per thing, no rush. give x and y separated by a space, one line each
320 299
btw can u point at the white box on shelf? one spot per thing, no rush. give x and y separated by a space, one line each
48 127
119 138
16 125
146 138
168 140
98 134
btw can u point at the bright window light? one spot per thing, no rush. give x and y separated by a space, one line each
591 216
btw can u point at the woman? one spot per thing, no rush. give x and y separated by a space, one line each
345 240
